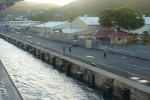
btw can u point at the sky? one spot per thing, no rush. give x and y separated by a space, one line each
58 2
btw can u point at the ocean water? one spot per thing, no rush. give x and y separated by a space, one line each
37 80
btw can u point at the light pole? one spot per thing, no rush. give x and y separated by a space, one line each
115 35
44 30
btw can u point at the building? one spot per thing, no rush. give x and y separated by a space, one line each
68 34
22 24
3 23
79 26
109 36
66 31
47 29
88 23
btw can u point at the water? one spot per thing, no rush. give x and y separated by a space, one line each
37 80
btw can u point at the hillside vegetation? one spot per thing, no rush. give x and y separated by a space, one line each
95 6
75 8
23 8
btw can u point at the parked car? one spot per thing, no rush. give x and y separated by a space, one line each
75 43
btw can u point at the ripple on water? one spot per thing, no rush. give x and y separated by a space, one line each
38 81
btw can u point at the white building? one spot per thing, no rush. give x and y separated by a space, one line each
47 29
66 31
68 34
79 26
22 24
88 23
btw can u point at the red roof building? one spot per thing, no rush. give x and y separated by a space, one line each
110 36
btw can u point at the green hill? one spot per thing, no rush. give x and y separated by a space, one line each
23 8
95 6
74 9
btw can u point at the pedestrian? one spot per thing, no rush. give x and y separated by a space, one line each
104 53
63 49
70 48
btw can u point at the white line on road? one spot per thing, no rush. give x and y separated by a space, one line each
131 73
29 36
136 66
90 56
123 57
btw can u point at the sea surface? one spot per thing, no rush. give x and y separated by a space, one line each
37 80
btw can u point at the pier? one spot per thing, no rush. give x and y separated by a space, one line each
95 77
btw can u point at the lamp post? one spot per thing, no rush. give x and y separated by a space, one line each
44 30
115 35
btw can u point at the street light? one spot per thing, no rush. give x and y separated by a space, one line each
115 36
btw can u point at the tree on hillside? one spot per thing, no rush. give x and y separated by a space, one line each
147 13
40 17
124 17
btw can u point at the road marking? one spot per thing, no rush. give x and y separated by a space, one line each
134 78
136 66
29 36
143 81
123 57
125 71
114 68
90 56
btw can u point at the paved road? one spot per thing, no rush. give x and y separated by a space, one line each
9 92
126 66
137 51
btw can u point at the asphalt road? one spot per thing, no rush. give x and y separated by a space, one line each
9 92
129 67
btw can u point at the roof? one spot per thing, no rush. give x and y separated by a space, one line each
90 20
108 33
51 24
147 20
140 30
71 30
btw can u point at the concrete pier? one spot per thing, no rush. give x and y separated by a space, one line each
121 87
8 89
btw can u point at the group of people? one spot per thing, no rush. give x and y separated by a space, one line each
70 49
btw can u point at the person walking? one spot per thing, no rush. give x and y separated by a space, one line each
63 49
104 53
70 48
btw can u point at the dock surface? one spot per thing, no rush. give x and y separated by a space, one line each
7 88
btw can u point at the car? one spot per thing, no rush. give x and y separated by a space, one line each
75 43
